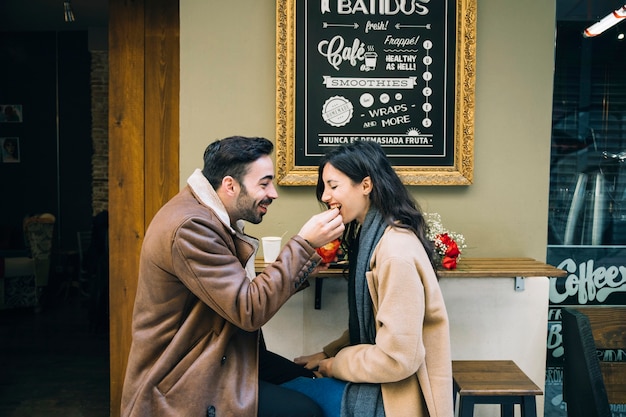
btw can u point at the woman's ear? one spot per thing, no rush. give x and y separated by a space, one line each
366 183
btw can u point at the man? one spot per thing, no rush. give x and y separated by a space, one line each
199 307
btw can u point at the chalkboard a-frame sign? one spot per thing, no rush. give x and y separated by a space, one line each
399 72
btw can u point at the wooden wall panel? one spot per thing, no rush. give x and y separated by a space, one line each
143 150
162 98
126 178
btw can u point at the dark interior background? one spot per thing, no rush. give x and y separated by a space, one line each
46 69
47 73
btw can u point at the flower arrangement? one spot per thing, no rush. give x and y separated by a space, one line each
448 245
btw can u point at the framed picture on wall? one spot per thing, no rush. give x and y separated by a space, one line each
10 113
10 149
398 73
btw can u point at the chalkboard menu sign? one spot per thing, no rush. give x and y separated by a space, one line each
397 72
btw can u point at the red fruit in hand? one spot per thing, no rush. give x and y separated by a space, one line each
328 252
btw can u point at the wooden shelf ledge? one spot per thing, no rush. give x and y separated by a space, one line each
474 268
501 268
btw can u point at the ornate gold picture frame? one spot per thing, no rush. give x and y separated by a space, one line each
401 96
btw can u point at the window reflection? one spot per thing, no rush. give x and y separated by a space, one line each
588 160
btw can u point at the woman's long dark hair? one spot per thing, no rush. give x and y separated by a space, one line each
399 209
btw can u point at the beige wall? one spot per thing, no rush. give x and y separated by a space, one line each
227 87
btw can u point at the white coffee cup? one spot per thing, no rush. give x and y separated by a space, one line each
271 247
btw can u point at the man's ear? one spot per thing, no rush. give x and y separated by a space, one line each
230 186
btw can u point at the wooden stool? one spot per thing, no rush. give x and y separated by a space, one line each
493 382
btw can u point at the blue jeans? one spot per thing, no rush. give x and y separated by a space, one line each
327 392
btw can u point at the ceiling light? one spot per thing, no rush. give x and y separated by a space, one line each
607 21
68 12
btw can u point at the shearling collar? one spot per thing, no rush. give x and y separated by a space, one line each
203 190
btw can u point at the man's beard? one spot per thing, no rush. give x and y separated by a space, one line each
248 209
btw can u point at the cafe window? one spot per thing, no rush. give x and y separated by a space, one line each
587 202
588 159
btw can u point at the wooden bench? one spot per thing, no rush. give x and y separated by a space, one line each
493 382
589 383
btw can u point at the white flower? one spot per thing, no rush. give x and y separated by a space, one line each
435 229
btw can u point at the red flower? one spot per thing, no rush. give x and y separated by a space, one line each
445 238
448 262
448 250
453 250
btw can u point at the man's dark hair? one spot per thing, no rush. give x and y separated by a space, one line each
232 156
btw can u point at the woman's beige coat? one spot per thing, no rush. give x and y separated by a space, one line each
411 357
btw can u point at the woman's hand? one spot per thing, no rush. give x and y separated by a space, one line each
326 367
311 362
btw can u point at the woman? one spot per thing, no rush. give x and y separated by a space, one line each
395 357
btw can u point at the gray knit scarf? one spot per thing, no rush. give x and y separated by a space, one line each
360 400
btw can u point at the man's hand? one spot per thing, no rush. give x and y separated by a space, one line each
326 367
323 227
